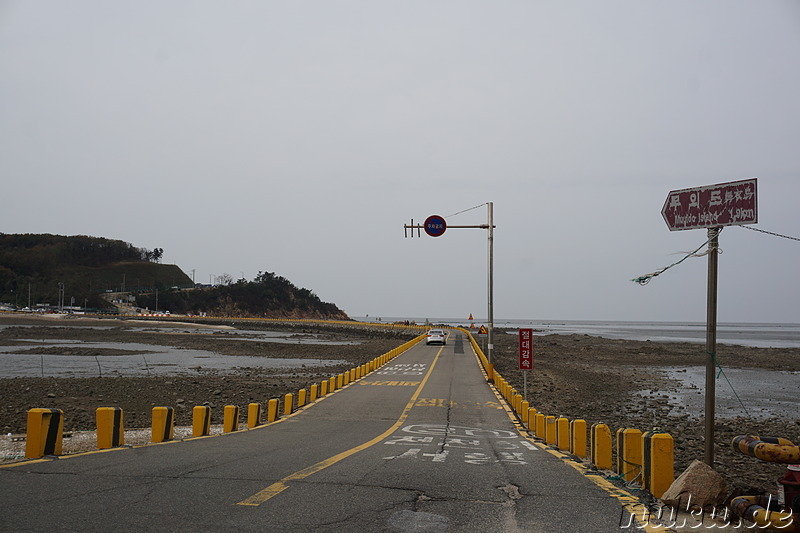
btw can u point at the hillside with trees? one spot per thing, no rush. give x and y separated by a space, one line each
83 271
267 296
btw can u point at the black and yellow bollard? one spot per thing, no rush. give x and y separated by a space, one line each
110 427
532 412
288 403
600 446
163 424
658 468
629 453
272 410
253 415
230 419
201 421
541 423
577 429
45 432
562 434
550 434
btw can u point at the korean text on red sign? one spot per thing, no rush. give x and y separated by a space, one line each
724 204
525 349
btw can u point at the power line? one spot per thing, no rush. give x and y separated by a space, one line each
645 279
769 232
465 210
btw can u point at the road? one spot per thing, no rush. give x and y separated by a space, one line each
423 444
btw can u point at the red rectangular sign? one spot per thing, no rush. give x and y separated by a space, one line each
724 204
525 349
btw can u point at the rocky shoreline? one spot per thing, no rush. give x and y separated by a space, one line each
632 384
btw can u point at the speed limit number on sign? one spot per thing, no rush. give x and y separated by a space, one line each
525 349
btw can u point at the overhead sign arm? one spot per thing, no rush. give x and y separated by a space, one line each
435 226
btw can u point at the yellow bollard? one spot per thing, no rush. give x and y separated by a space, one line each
524 411
110 427
301 398
332 384
532 412
44 433
629 453
253 415
340 381
163 424
323 388
658 455
578 437
288 403
517 403
201 421
272 410
540 425
562 433
314 392
600 446
230 419
550 429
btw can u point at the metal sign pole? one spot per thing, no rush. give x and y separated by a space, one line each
490 347
525 385
435 226
711 342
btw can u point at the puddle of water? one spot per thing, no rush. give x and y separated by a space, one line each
764 393
151 360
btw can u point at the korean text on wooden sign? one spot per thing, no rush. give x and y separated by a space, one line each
525 349
723 204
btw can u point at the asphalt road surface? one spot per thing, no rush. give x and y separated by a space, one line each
423 444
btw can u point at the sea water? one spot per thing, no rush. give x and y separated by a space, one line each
742 334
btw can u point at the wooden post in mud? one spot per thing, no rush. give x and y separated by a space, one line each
711 342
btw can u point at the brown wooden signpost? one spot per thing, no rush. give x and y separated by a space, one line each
712 207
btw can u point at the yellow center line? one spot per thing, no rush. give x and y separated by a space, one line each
279 486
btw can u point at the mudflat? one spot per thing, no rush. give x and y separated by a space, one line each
646 385
625 384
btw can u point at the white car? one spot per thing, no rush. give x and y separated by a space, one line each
436 335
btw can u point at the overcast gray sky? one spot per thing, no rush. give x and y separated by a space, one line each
298 137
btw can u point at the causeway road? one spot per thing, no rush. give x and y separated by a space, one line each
422 444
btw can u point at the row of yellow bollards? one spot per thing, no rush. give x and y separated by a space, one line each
45 427
644 458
